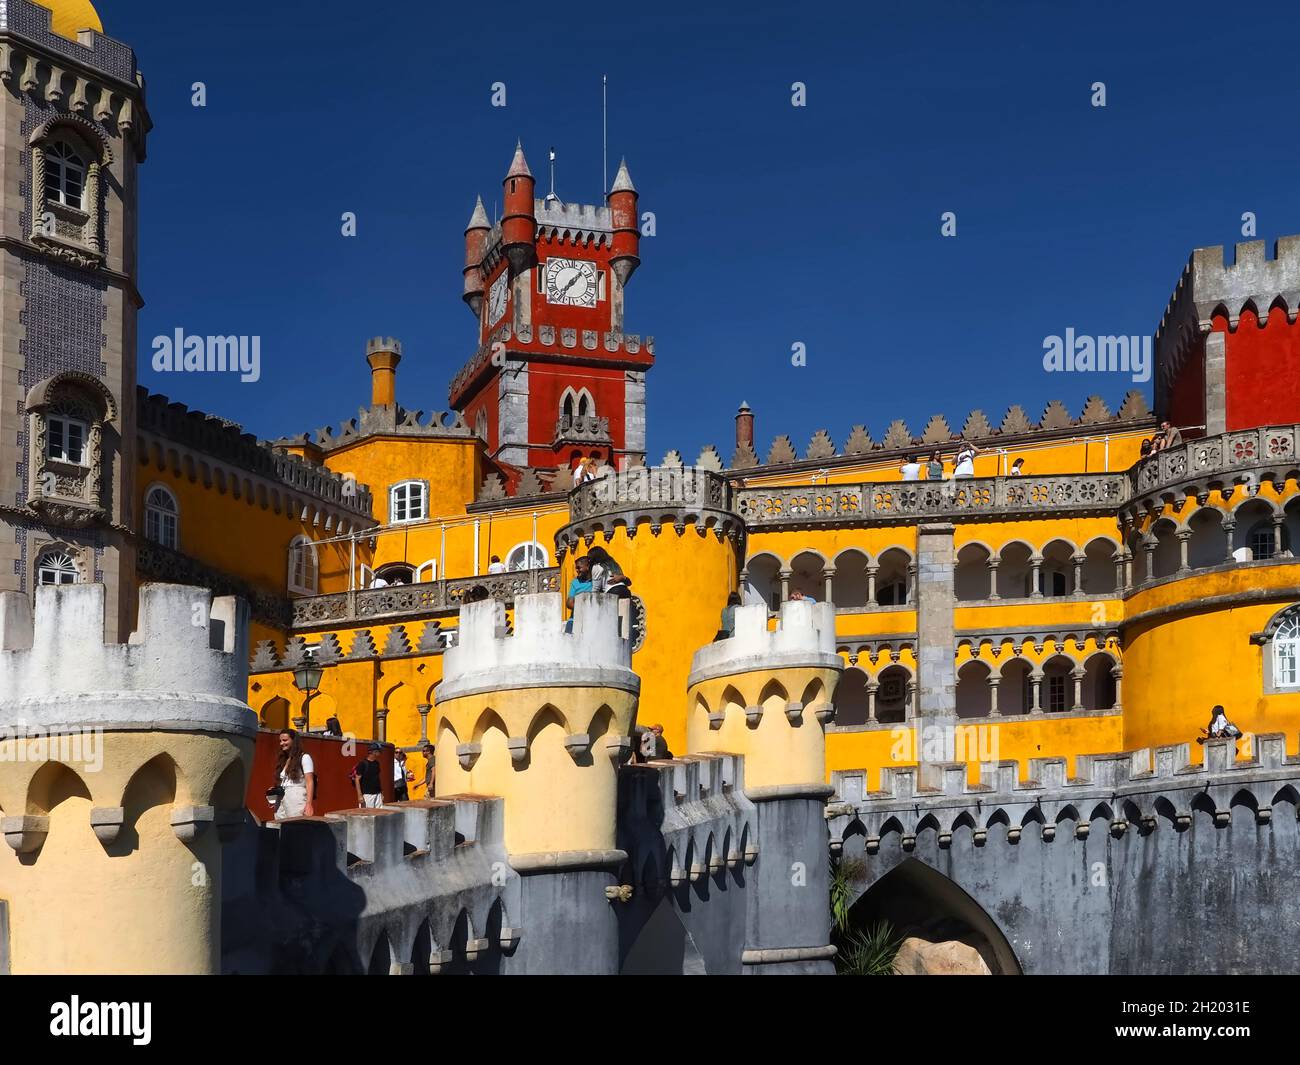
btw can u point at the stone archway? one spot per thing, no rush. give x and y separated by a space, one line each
942 928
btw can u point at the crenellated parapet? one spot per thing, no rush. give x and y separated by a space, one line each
438 894
542 717
148 744
1138 790
766 694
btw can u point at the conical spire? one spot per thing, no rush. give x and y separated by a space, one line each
479 219
519 165
623 180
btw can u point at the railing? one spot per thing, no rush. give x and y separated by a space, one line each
1214 454
892 501
418 600
648 488
582 427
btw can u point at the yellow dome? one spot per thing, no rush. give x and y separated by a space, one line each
71 16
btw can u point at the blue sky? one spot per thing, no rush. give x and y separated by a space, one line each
776 225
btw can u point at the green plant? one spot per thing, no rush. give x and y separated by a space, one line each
868 952
846 875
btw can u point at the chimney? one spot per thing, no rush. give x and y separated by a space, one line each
744 428
383 354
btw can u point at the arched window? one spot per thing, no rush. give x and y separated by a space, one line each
1286 651
65 440
567 407
65 175
1261 542
302 566
530 555
56 566
408 501
160 516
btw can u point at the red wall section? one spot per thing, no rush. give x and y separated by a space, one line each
334 791
1263 371
1187 397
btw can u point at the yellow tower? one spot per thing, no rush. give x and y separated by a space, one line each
122 766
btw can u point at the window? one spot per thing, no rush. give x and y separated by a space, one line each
1286 652
408 502
1056 694
56 567
160 517
66 440
302 566
65 175
527 556
427 571
600 285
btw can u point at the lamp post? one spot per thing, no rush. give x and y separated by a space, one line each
306 678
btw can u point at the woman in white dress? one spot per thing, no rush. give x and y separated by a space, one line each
966 452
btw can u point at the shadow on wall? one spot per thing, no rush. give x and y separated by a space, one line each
923 904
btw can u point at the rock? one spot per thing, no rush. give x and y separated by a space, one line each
950 957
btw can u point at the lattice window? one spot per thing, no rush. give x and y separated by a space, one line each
161 517
1286 652
303 571
408 501
530 555
56 567
65 175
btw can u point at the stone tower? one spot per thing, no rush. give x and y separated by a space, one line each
554 377
73 136
767 696
123 772
543 718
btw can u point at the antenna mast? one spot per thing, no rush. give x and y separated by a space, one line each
604 134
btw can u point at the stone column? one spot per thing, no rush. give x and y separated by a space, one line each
911 709
828 583
872 570
1117 672
785 584
1076 690
1216 384
1035 576
912 571
936 672
1123 573
995 681
1149 544
1184 538
381 726
1078 561
423 710
872 688
1229 528
1279 549
1036 691
993 564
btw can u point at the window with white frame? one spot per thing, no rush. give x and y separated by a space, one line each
408 501
65 439
303 571
65 175
1286 652
426 571
161 516
56 567
530 555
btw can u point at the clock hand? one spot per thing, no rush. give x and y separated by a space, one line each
572 281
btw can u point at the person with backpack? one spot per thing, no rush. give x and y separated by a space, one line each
367 778
603 569
1220 728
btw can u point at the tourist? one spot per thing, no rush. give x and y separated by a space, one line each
603 569
910 469
401 776
934 468
1220 727
477 594
1145 448
1017 468
619 586
585 472
296 773
429 769
728 627
801 597
333 727
966 452
660 744
497 566
581 580
378 582
366 777
1169 436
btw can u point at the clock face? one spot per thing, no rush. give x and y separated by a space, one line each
571 282
497 297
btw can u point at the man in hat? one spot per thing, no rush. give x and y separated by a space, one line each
366 776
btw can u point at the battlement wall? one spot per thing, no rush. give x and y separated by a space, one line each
804 636
540 654
183 667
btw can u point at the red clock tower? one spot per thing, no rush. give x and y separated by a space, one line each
555 378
